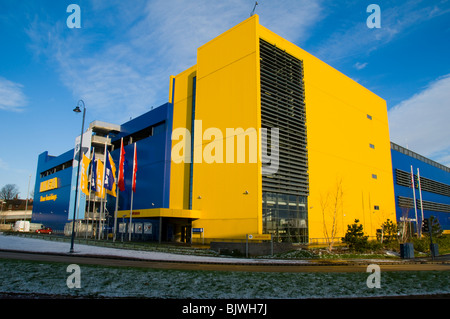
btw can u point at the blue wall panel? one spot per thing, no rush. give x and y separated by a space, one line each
403 162
150 174
52 213
153 173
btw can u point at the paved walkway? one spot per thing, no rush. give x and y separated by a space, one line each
313 266
38 249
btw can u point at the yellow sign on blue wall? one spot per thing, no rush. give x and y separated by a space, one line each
49 185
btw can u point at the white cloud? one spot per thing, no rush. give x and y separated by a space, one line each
422 121
359 40
290 19
360 66
122 57
12 97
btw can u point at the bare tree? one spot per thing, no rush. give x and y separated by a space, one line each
403 226
331 205
9 191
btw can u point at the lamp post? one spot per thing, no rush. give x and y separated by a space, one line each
77 110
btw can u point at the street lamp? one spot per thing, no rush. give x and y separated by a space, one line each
77 110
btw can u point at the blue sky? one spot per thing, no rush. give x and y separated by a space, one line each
120 60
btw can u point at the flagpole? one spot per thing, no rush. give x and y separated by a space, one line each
117 193
78 206
84 187
87 217
131 214
414 196
94 189
132 191
90 193
115 212
93 219
102 194
420 195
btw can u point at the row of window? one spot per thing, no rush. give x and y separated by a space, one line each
55 169
132 138
372 146
374 176
140 135
428 185
407 202
421 158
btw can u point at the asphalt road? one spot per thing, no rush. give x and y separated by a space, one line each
321 266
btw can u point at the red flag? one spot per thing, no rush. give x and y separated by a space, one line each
121 178
134 169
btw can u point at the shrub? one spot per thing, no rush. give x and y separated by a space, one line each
435 228
421 244
389 231
355 238
374 245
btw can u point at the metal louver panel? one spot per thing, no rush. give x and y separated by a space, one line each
427 185
427 205
283 107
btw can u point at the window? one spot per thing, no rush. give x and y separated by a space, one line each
140 135
403 178
56 168
374 176
285 216
376 207
369 116
372 146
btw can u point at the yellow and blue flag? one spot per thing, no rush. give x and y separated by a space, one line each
110 173
84 175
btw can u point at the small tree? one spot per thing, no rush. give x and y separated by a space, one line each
435 228
403 226
389 231
355 237
331 206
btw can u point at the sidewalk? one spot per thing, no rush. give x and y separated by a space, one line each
33 245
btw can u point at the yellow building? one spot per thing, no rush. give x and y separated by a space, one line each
321 160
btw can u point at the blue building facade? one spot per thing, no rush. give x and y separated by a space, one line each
152 134
432 194
52 189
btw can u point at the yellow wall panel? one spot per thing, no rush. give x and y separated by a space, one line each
182 112
228 194
339 137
